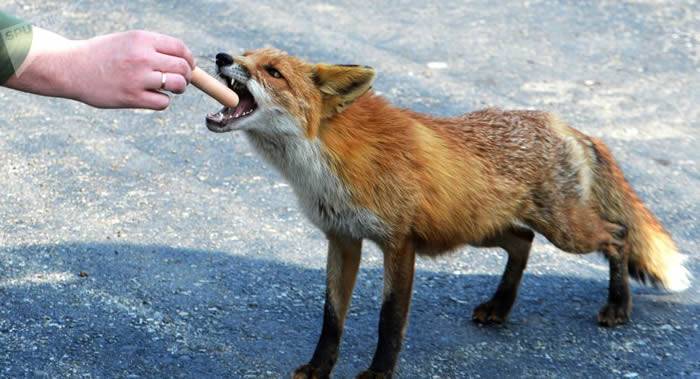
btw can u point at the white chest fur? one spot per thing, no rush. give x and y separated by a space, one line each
321 194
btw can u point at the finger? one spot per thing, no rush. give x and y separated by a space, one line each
153 100
175 47
169 63
175 83
154 81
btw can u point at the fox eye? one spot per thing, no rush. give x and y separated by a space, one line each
273 72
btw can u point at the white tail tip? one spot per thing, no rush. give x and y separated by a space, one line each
678 278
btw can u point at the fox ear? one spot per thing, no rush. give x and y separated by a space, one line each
341 85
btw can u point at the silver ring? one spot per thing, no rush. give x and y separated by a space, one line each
163 79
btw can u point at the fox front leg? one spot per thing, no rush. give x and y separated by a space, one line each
341 270
399 266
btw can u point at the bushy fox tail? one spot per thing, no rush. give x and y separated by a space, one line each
653 256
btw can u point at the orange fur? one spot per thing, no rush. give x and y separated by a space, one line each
418 175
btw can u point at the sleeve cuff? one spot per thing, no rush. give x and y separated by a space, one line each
15 42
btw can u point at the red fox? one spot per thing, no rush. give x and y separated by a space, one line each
418 184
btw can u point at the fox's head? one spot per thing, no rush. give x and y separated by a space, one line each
281 94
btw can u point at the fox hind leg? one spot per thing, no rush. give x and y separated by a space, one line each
619 305
580 229
516 241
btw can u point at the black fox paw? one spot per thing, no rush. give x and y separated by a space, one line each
369 374
613 314
491 312
309 372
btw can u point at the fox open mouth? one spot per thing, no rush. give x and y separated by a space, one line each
226 119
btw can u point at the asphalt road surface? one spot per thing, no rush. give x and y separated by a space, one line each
137 244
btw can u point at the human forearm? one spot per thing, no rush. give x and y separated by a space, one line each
49 66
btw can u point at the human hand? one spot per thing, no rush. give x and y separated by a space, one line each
120 70
125 70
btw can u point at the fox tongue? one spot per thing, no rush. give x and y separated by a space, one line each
244 105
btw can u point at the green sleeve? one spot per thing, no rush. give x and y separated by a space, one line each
15 41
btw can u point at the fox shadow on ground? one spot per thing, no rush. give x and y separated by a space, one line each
119 309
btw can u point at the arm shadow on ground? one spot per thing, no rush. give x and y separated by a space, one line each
113 309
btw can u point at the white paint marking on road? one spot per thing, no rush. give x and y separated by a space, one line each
437 65
39 278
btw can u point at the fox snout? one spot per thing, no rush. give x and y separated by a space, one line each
237 78
229 69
